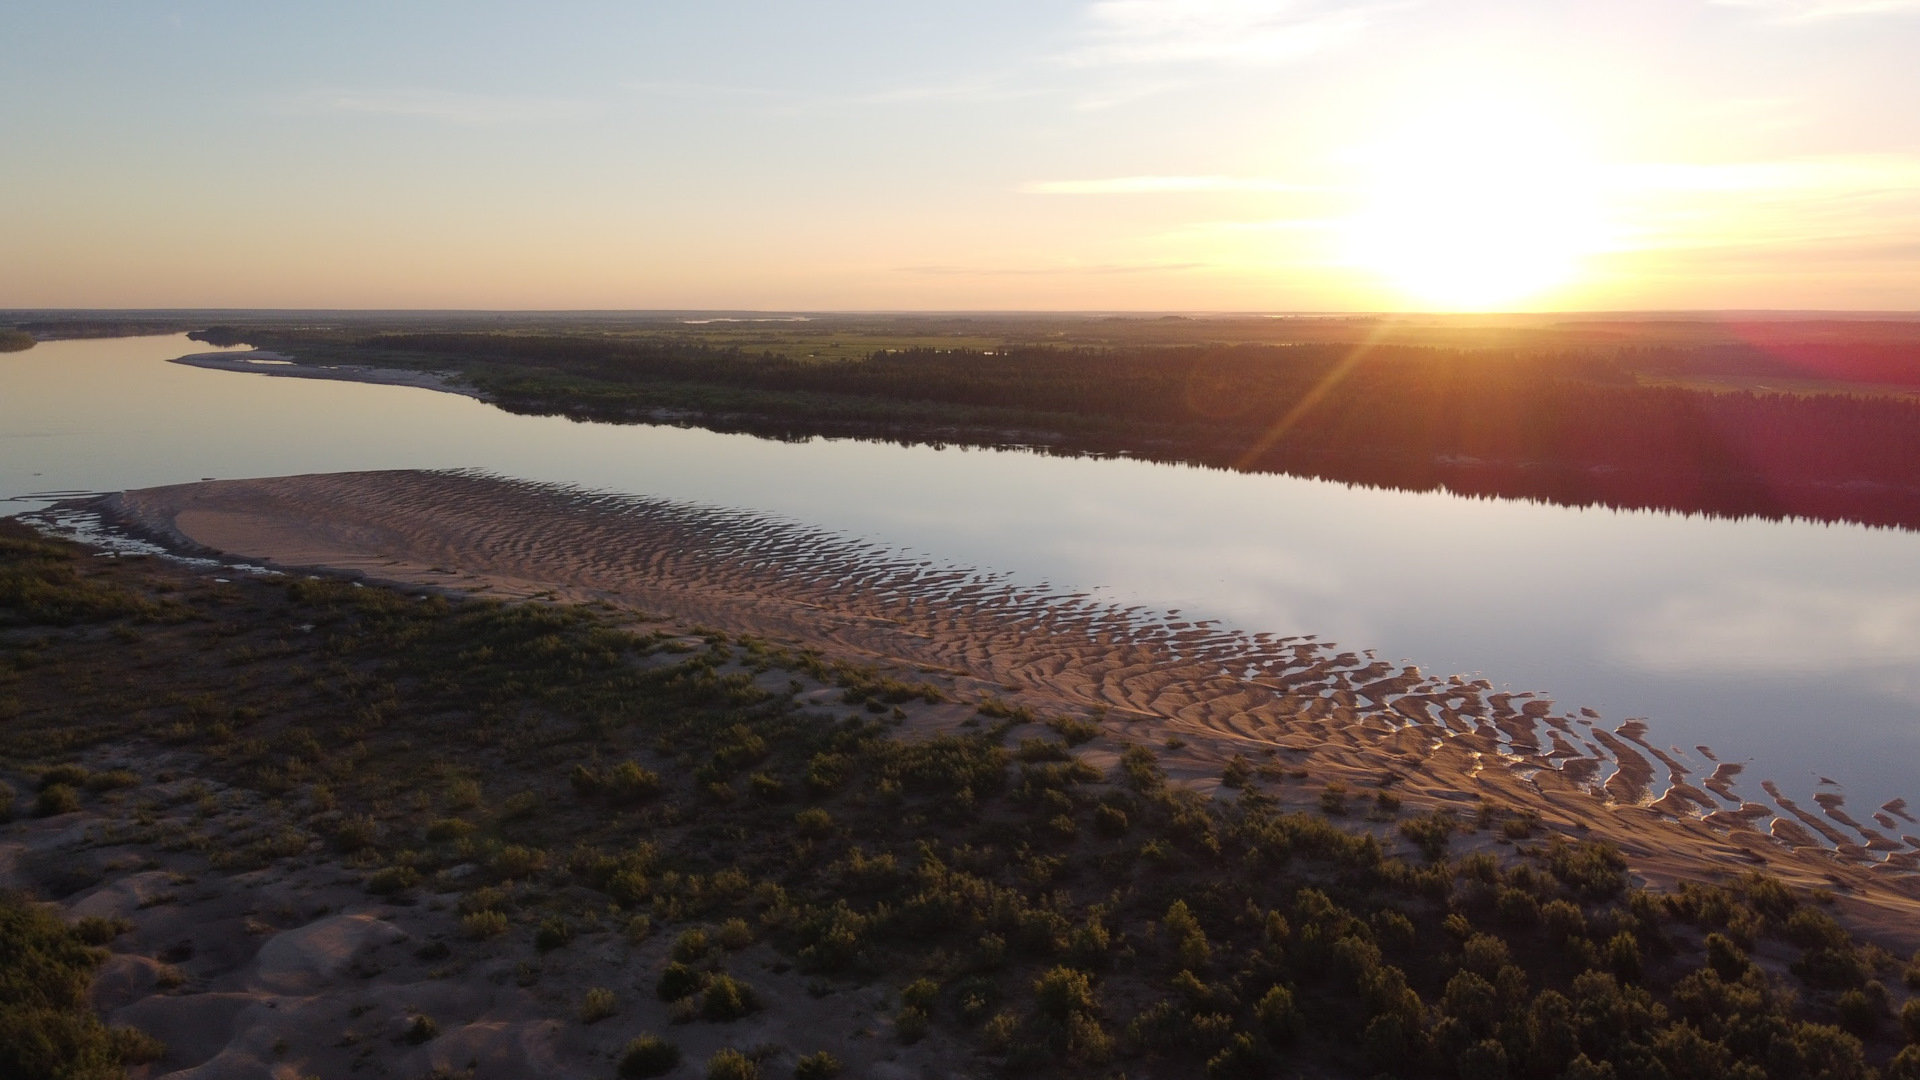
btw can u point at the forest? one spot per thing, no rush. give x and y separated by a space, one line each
1818 424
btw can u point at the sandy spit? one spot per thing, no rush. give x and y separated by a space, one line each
264 362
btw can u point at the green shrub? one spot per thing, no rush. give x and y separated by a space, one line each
734 935
813 821
1596 870
1333 800
70 775
515 862
692 944
552 933
648 1056
597 1005
1062 992
423 1029
47 1027
1240 1058
727 998
443 830
1237 773
392 880
7 796
1430 833
731 1064
1038 750
1859 1013
1725 958
921 994
910 1025
480 925
112 780
1279 1020
678 981
56 799
1075 731
98 930
817 1066
355 833
639 928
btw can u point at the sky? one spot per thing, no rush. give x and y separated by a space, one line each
1206 155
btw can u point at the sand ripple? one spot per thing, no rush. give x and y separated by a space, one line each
1342 712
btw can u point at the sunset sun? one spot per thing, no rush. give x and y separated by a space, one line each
1475 208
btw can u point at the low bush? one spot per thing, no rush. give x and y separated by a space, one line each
648 1056
731 1064
597 1005
678 981
727 998
393 880
480 925
57 799
819 1065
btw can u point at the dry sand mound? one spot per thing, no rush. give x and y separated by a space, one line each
312 957
1338 714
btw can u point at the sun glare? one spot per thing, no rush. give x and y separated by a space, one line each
1475 208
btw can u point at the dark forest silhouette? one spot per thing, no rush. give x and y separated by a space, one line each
1570 426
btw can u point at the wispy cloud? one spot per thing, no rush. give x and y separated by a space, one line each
1156 185
1215 31
1814 10
1037 271
441 106
983 88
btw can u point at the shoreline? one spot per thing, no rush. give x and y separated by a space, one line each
1326 715
267 362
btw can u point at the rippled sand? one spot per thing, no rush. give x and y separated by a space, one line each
1307 705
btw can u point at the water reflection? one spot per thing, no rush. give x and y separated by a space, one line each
1789 645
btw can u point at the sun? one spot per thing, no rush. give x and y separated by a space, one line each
1475 208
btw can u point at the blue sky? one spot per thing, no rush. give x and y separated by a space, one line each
1144 154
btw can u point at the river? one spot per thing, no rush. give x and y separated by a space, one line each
1794 646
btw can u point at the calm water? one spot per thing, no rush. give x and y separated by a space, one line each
1793 646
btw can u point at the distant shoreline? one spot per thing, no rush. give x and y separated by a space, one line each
266 362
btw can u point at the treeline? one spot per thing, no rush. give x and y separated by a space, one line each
1572 427
15 341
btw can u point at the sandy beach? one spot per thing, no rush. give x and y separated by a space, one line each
1329 714
266 362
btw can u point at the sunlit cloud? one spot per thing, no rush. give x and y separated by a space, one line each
441 106
1229 31
1813 10
1156 185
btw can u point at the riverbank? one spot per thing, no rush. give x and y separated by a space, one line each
1334 715
329 826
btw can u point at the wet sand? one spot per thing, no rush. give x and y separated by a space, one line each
1309 706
